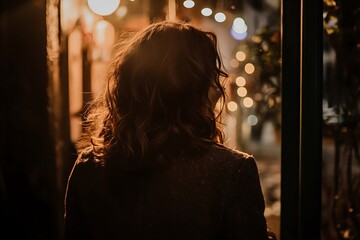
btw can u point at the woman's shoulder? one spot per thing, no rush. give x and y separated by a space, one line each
86 166
223 159
86 159
225 154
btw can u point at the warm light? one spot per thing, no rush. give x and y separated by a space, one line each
88 20
241 91
220 17
234 63
206 12
249 68
240 81
122 11
69 15
104 34
240 55
258 97
248 102
103 7
189 4
232 106
252 120
238 36
239 25
256 39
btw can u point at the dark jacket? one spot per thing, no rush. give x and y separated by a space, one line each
213 196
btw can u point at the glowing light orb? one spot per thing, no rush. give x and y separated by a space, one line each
189 4
239 25
240 81
206 12
232 106
122 11
238 36
220 17
249 68
241 56
241 91
234 63
104 34
103 7
252 120
248 102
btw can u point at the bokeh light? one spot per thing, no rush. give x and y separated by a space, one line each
220 17
258 97
241 56
241 91
104 34
189 4
206 12
238 36
248 102
252 120
239 25
240 81
249 68
234 63
103 7
122 11
232 106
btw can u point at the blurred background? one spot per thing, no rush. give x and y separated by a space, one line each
249 42
55 62
54 57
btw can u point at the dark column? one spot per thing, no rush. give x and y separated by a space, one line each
290 119
29 188
311 121
301 119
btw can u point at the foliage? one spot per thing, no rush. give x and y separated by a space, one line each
342 113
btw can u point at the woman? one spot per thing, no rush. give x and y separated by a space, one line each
153 165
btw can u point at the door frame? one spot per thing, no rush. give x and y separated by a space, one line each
301 151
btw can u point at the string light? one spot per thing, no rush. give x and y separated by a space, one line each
189 4
239 29
238 36
240 81
103 7
220 17
232 106
241 91
239 25
252 120
206 12
241 56
249 68
248 102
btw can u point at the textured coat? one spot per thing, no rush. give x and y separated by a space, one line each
213 196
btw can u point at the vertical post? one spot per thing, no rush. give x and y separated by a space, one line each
171 10
301 119
58 107
311 120
291 44
31 144
87 94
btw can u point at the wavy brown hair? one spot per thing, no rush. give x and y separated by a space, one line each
160 96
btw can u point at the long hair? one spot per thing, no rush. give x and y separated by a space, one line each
160 96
